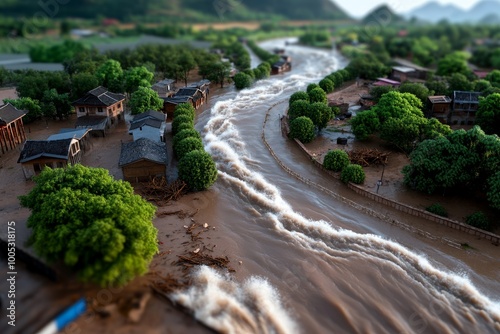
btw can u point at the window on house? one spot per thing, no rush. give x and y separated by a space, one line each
99 109
37 168
60 164
49 164
81 109
119 105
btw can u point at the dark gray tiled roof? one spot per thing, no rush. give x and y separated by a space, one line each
143 149
34 149
149 114
72 133
99 96
177 99
90 122
9 113
154 123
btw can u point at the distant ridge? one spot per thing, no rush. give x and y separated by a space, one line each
486 11
382 15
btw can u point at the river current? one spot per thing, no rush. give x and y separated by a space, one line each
312 262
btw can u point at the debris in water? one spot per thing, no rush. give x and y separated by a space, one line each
205 225
196 251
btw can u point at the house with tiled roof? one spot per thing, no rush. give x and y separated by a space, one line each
100 102
143 159
164 88
465 106
12 131
38 154
150 124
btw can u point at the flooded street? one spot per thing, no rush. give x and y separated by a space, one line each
311 261
335 268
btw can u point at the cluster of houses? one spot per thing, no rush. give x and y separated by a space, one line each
458 109
97 112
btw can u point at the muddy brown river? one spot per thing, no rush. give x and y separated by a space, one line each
313 262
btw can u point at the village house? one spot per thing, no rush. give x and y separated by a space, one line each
204 87
82 135
283 65
169 104
164 88
386 82
12 131
37 154
405 70
440 108
198 98
150 124
465 105
99 102
142 160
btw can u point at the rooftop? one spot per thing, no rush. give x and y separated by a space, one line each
69 133
466 97
9 113
149 114
143 149
90 122
439 99
403 69
100 96
154 123
34 149
407 63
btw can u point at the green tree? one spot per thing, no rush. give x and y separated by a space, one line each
494 78
353 173
479 220
396 105
302 128
181 119
437 209
54 104
198 170
297 96
298 108
451 64
317 95
144 99
458 81
219 72
136 77
81 83
378 91
312 86
488 114
419 90
327 85
365 124
186 64
187 145
242 80
482 85
26 103
185 109
320 113
494 190
96 225
336 160
110 75
183 134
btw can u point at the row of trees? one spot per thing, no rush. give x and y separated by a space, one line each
196 167
338 161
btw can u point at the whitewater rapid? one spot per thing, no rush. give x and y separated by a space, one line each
383 286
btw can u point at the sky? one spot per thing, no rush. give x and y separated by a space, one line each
359 8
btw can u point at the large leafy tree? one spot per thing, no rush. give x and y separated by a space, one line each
198 170
453 63
144 99
26 103
186 64
219 72
94 224
81 83
488 114
55 104
419 90
365 124
396 105
110 75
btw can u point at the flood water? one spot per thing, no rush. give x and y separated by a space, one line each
312 262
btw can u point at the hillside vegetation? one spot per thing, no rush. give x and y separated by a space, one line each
178 10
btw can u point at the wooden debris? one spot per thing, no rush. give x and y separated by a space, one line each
368 157
200 259
159 191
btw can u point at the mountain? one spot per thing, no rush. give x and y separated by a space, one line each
434 12
382 15
178 10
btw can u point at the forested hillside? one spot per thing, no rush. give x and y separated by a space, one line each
176 9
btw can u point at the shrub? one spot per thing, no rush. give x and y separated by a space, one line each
437 209
336 160
318 95
198 170
183 134
185 126
242 80
184 111
187 145
353 173
298 109
327 85
298 96
312 86
181 119
302 128
479 220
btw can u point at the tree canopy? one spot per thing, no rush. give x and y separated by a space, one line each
488 114
198 170
302 128
94 224
144 99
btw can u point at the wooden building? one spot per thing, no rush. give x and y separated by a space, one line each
99 102
12 131
37 154
405 70
440 108
465 105
281 66
169 104
386 82
197 96
142 160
